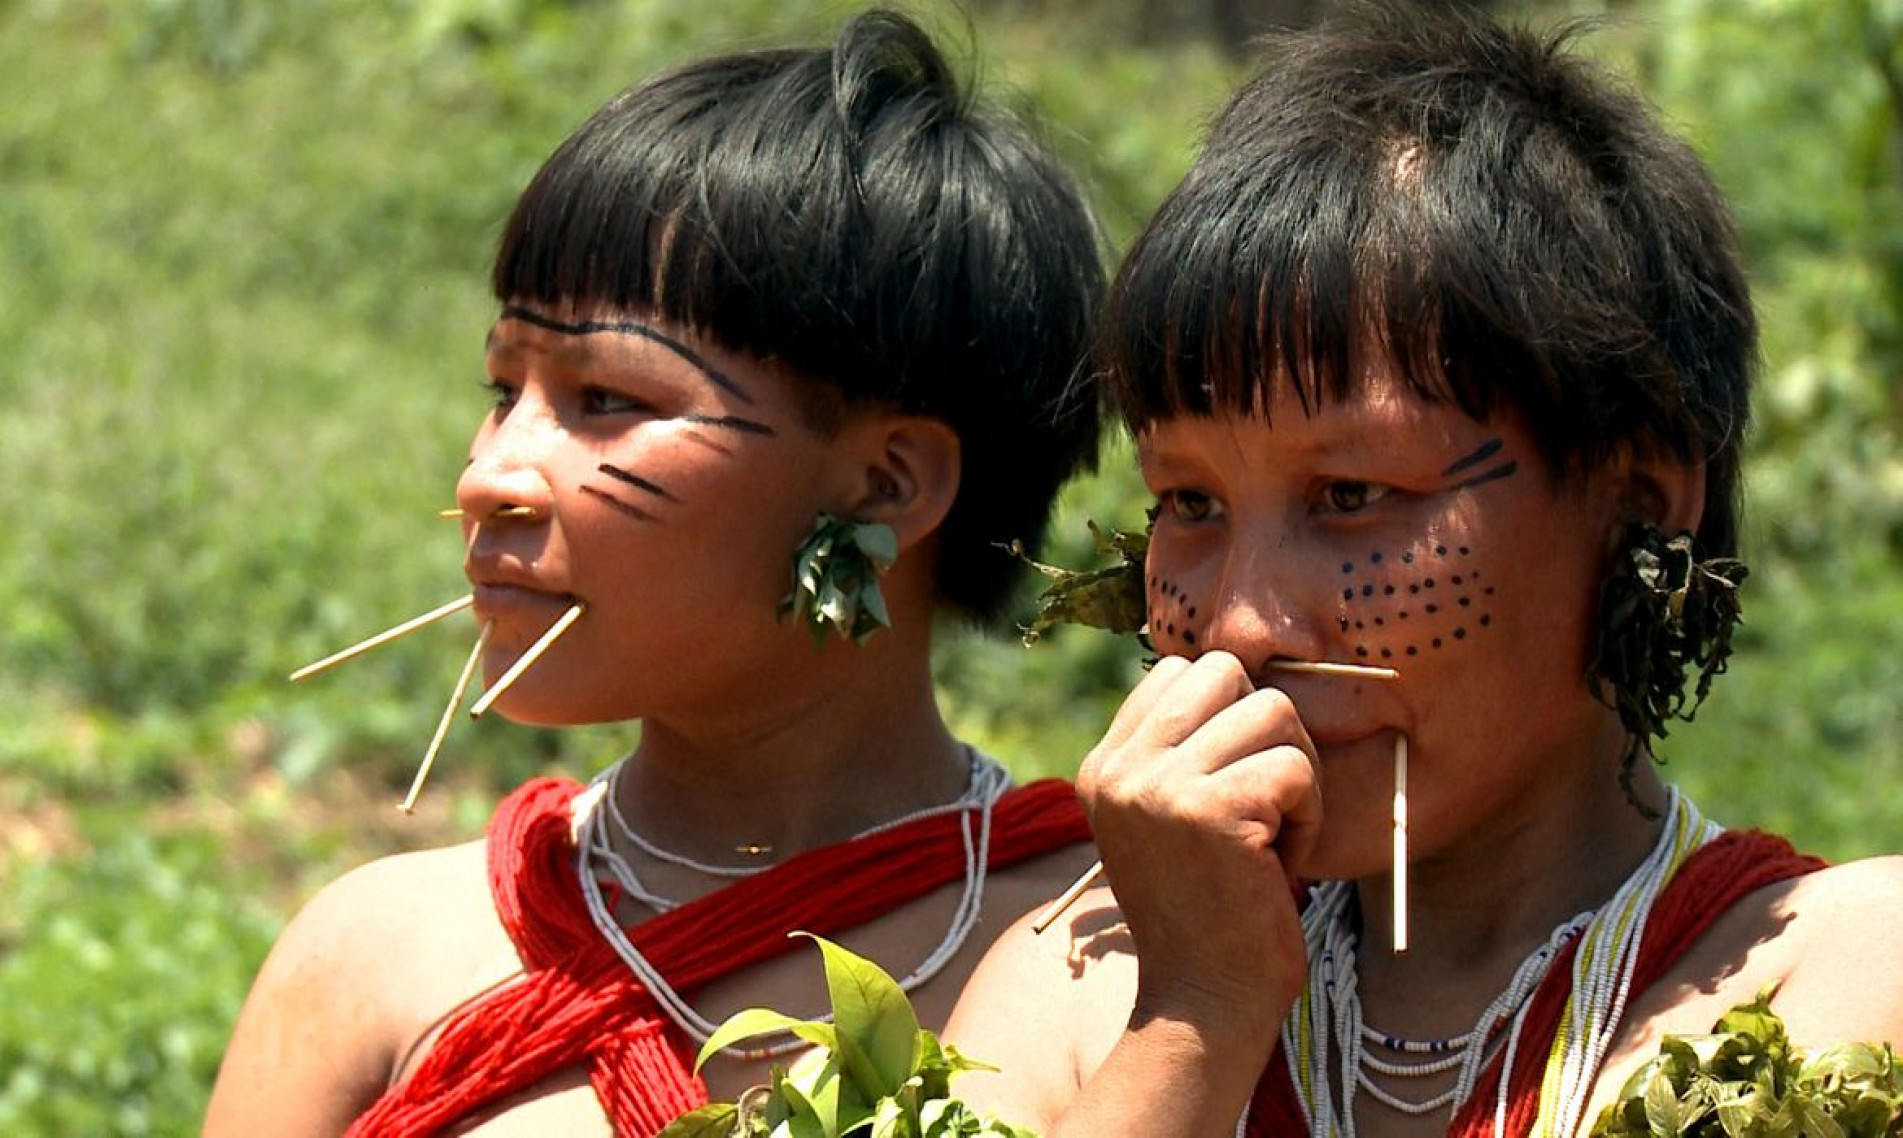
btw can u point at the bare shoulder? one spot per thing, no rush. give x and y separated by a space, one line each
355 976
1046 1008
1824 940
1840 981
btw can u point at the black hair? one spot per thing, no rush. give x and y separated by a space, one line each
849 213
1495 218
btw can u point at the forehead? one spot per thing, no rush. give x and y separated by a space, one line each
1380 415
601 339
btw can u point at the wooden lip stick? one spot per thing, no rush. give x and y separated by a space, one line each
384 637
408 805
528 658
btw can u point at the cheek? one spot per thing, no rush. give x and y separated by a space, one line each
1415 601
1175 614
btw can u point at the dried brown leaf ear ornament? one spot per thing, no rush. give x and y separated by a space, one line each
836 579
1663 615
1111 598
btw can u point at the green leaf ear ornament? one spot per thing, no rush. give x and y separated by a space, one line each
836 579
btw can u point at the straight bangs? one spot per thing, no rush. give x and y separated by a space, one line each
1307 274
668 201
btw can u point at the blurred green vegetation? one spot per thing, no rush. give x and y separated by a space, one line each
242 266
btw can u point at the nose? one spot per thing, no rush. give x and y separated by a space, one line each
1254 602
508 468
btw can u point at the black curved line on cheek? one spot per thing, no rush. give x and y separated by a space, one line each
636 481
628 508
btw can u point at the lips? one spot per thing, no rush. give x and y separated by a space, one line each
504 591
506 602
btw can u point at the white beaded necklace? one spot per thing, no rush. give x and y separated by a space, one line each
986 783
1327 1015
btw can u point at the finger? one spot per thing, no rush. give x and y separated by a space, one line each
1143 699
1278 789
1261 720
1211 683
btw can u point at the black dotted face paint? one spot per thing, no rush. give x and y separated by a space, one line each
1387 626
1171 613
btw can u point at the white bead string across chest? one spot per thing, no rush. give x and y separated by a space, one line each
597 808
1326 1044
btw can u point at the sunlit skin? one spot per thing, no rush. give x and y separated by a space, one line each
1391 531
668 482
1382 529
640 456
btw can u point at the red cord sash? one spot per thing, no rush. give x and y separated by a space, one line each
1716 877
579 1004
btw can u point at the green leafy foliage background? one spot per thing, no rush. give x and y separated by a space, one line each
242 258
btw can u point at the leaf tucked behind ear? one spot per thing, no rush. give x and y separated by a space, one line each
1111 598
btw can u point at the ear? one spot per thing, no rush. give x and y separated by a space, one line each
1666 491
907 475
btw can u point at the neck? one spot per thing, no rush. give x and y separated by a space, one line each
861 744
1476 910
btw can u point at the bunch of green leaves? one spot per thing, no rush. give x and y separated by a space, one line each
1663 614
1745 1080
836 579
873 1072
1111 598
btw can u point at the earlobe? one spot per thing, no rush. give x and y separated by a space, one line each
910 476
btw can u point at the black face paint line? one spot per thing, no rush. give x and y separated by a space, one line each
632 328
730 423
636 481
628 478
1480 454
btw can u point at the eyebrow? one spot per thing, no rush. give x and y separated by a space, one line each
629 328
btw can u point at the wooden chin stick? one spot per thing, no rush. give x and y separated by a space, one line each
527 659
1090 877
408 805
384 637
1400 844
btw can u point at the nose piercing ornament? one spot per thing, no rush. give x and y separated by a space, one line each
505 512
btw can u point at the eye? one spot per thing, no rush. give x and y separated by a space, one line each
603 401
501 393
1351 497
1189 505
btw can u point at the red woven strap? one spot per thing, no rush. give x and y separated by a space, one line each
579 1004
1720 874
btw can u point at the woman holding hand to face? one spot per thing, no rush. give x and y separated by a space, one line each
1439 332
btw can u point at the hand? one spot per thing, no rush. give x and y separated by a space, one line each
1200 795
